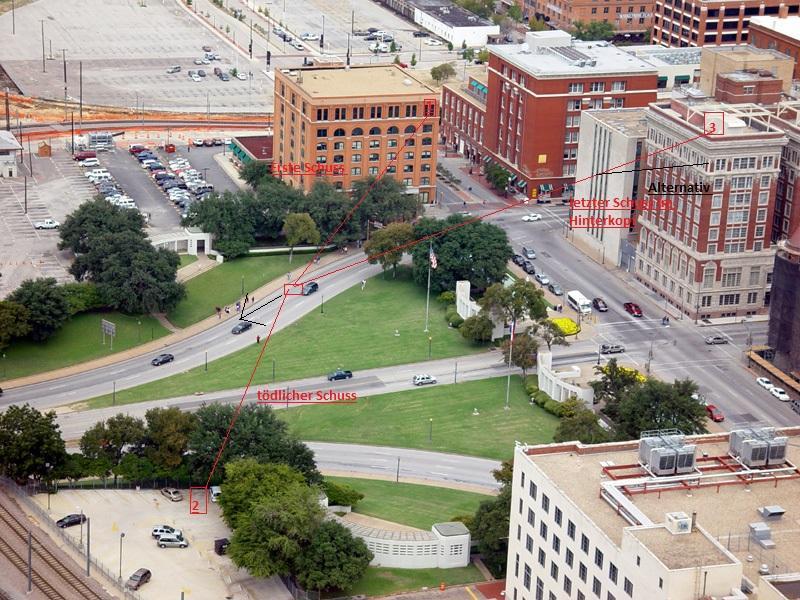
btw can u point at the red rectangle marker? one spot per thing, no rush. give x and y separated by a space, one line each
714 123
198 500
292 289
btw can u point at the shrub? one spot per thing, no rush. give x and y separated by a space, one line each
455 321
553 407
83 297
447 298
566 325
341 494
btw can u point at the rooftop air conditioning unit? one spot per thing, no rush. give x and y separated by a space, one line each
777 451
678 523
646 445
753 453
592 63
662 461
685 459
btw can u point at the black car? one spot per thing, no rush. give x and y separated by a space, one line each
372 29
611 349
241 327
143 156
600 305
518 259
70 520
310 288
162 359
371 37
340 374
528 267
138 579
421 34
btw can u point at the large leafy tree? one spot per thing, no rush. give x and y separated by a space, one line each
110 439
299 228
660 405
477 252
443 72
550 334
523 353
46 303
329 207
96 218
229 217
384 242
477 328
13 322
578 423
334 560
30 443
384 200
257 433
513 303
167 436
615 380
490 524
593 31
255 172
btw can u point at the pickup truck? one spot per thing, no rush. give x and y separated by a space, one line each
340 374
46 224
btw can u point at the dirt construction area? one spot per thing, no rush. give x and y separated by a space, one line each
196 571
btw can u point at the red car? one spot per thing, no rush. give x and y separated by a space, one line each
136 148
714 414
633 309
403 65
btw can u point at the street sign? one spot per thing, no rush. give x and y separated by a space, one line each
108 328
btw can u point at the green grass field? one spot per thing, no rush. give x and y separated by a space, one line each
222 286
414 505
186 260
355 332
380 581
403 419
78 341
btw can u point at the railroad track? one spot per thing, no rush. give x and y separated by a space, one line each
68 577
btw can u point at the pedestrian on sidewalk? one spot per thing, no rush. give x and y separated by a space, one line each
363 284
316 260
289 276
227 310
219 312
246 298
238 306
258 340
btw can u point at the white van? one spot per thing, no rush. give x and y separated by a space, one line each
216 492
579 302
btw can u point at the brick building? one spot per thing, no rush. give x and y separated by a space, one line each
464 115
782 35
758 87
710 253
727 59
537 91
627 16
351 123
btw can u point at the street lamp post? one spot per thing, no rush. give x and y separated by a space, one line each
121 537
322 305
430 341
599 346
430 429
81 542
242 277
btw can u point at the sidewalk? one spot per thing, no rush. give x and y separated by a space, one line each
201 265
223 160
276 285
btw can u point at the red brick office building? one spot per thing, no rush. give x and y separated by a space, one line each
778 34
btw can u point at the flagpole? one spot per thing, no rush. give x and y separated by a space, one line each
428 296
510 352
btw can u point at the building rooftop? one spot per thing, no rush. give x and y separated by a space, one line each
555 54
631 122
609 485
258 146
659 56
788 26
451 14
752 75
358 82
8 141
746 52
451 528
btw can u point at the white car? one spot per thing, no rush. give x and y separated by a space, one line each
780 394
90 162
423 380
46 224
196 78
765 383
243 76
532 217
198 61
160 530
309 37
298 45
433 42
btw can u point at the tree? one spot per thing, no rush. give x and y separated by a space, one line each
660 405
110 439
537 25
523 354
413 60
498 177
30 444
341 494
167 436
383 242
46 304
254 173
135 468
578 423
516 302
83 296
551 335
334 560
490 528
450 46
477 328
299 228
514 12
396 59
96 218
593 31
483 55
464 44
468 54
615 380
384 200
228 219
258 434
13 322
270 539
477 252
443 72
393 47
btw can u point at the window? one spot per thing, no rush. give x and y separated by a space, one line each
355 158
411 110
408 156
375 143
338 145
541 557
322 145
554 570
598 86
719 184
355 171
619 102
529 543
338 132
526 578
338 158
728 299
571 530
713 234
755 275
582 572
581 596
568 557
358 113
516 566
596 586
752 297
391 143
375 112
716 201
409 129
393 111
746 162
530 517
532 490
519 532
585 544
715 218
545 503
391 169
732 277
322 114
428 128
322 133
628 587
765 181
612 572
556 544
575 88
539 589
357 131
761 215
392 130
374 157
375 131
543 530
720 164
660 583
598 557
573 104
355 145
391 155
372 171
618 86
567 585
427 141
425 154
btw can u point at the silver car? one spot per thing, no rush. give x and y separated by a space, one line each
542 278
172 541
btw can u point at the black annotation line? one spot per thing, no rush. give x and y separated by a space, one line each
255 308
654 168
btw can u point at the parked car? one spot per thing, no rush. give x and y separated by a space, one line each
309 37
221 546
71 520
47 224
423 380
421 34
611 349
196 78
555 289
201 73
529 218
518 259
780 394
206 48
84 154
241 327
216 492
198 61
765 383
543 278
160 530
172 494
360 33
241 76
433 42
174 69
716 339
297 45
172 541
310 287
340 374
528 267
528 253
599 304
90 162
714 413
633 309
217 71
138 579
225 77
162 359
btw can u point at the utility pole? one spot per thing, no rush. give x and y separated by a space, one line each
8 113
64 58
44 66
80 95
88 552
72 127
13 19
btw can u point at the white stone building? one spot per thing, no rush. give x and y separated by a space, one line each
9 146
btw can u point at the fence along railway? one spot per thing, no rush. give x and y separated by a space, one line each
9 522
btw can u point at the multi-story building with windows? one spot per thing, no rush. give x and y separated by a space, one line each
786 116
463 116
782 35
728 59
616 522
709 252
627 16
537 91
711 22
346 124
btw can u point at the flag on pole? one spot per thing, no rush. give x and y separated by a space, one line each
434 263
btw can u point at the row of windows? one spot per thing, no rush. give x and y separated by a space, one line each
357 131
357 112
596 86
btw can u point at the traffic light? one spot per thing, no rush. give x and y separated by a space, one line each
322 41
269 57
250 49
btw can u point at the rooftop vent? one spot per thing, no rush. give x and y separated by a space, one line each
772 513
762 535
678 523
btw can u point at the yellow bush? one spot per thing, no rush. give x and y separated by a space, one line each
566 325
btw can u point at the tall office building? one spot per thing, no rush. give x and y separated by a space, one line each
784 314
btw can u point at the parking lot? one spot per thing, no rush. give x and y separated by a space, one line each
126 47
197 570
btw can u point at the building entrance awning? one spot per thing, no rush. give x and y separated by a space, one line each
522 184
545 188
486 159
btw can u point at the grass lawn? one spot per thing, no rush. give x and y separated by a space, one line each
380 581
78 341
355 332
186 260
222 286
403 419
414 505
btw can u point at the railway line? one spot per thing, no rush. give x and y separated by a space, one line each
10 523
